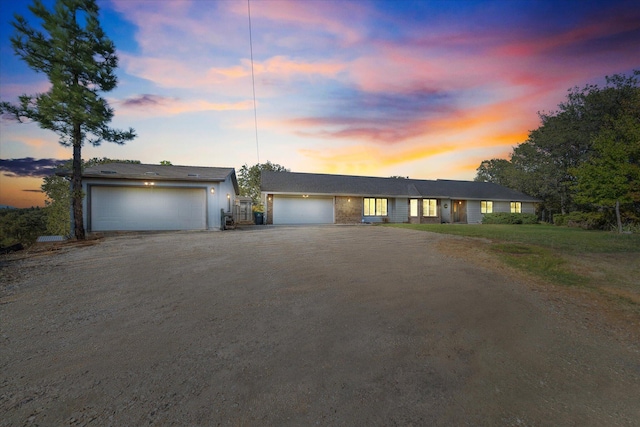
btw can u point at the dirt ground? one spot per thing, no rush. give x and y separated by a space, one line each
338 325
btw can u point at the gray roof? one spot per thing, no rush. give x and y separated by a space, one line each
348 185
159 173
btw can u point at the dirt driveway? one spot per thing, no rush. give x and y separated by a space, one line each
351 325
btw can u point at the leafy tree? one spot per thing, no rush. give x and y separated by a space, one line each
79 61
58 194
552 163
612 176
498 171
21 226
249 179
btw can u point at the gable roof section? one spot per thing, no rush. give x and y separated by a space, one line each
349 185
135 171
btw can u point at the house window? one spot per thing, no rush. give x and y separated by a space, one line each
486 206
516 207
413 207
375 207
429 207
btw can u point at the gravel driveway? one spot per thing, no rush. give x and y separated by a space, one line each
338 325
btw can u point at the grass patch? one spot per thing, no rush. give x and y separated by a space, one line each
564 239
539 261
602 261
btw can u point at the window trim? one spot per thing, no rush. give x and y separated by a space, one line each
417 206
384 210
488 206
425 212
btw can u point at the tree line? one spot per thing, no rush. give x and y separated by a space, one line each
584 157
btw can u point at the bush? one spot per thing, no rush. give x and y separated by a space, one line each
509 218
22 226
585 220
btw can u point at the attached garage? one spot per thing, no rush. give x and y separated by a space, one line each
147 208
302 210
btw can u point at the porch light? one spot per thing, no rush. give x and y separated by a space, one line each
213 190
149 183
349 199
228 196
269 198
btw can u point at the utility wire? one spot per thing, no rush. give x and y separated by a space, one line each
253 81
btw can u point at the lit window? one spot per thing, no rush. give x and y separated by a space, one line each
516 207
486 206
375 207
429 207
413 207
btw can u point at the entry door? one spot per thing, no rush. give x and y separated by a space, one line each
459 210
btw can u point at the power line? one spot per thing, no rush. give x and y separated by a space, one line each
253 81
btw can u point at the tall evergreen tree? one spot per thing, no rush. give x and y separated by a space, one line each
80 62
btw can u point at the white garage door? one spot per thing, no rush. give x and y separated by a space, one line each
140 209
302 210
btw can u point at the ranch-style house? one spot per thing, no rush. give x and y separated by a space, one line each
305 198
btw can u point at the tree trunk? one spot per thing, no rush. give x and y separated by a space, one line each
618 216
76 183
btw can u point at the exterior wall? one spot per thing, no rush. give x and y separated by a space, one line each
473 212
215 200
502 206
499 207
445 210
400 212
348 210
528 207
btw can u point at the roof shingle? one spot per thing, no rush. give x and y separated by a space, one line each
308 183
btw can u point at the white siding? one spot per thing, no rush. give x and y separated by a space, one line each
400 212
445 211
528 207
501 207
473 212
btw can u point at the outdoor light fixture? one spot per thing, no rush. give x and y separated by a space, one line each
213 190
349 199
269 198
304 196
149 183
228 196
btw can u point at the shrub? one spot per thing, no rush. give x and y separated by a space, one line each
22 225
560 219
585 220
509 218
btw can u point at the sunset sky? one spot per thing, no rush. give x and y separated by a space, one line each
425 89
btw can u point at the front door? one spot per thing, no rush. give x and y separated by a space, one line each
459 211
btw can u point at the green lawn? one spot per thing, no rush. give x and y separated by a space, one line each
564 239
606 262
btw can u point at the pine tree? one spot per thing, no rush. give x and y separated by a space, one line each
79 61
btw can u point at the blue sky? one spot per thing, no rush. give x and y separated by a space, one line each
426 89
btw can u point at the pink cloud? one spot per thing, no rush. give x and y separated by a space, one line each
327 16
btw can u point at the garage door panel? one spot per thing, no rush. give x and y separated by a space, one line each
141 209
302 210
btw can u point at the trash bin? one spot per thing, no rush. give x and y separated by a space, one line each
259 218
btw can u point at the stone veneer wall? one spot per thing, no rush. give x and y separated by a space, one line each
348 210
